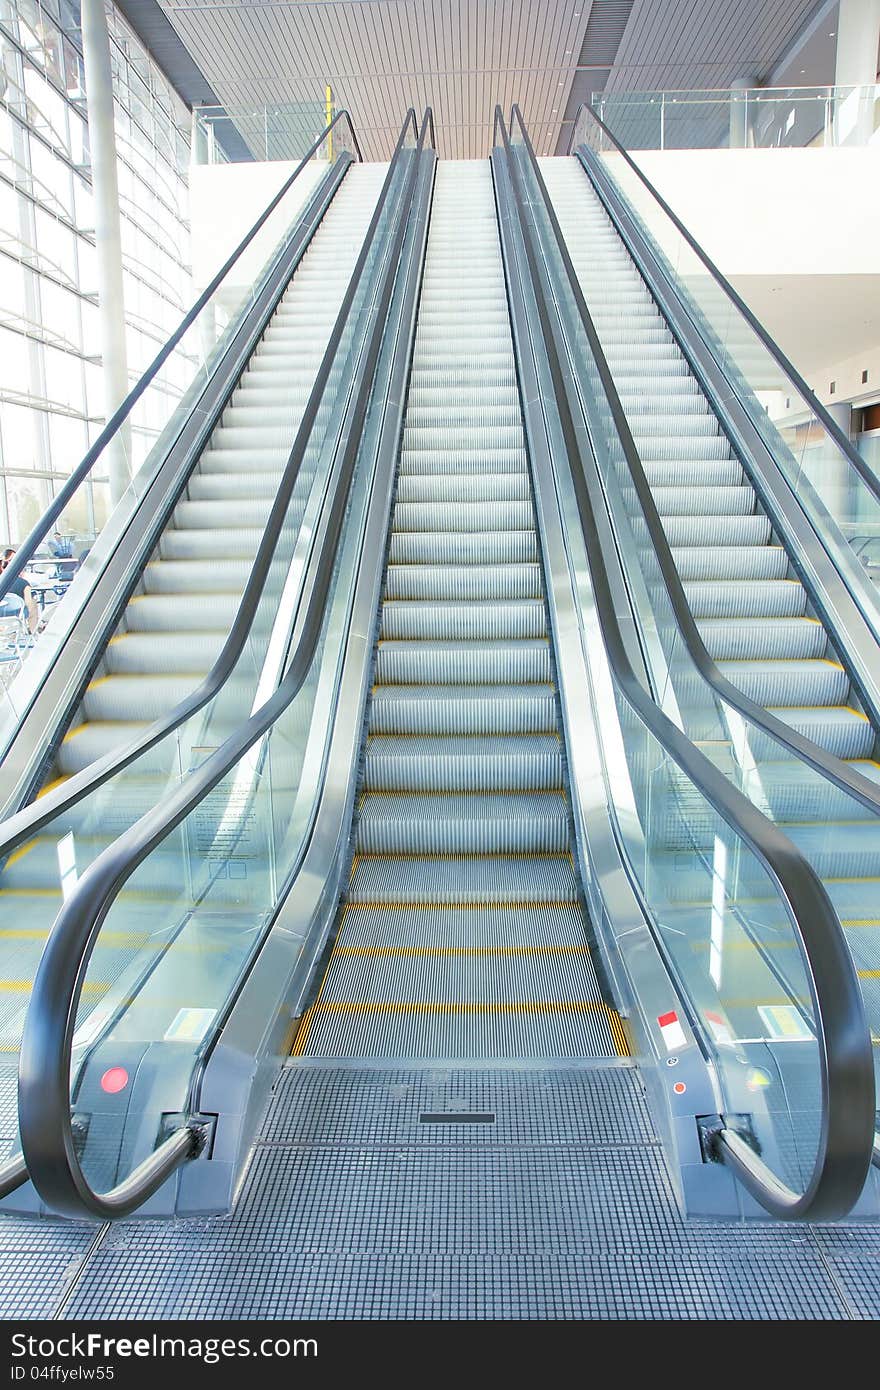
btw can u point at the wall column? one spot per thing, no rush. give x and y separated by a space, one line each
858 42
108 236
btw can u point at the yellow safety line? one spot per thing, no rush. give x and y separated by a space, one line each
21 852
25 987
408 951
869 974
50 786
363 1006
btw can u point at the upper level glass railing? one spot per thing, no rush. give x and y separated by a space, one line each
743 118
283 131
838 490
720 883
57 559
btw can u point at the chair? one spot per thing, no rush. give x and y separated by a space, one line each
14 642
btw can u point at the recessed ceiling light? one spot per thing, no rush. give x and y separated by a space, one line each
833 32
803 70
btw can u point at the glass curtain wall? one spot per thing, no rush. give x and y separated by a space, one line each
51 397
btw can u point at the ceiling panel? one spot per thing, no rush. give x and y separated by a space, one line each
463 56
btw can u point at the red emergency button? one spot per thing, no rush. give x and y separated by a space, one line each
114 1080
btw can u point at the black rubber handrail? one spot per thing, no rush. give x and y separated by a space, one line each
45 1120
861 788
18 828
846 1136
871 481
42 528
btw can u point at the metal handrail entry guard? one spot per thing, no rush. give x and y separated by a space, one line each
846 1062
48 1143
42 527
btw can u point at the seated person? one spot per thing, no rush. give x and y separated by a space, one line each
61 548
20 596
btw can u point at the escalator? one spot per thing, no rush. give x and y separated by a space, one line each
766 633
442 840
174 625
463 935
198 625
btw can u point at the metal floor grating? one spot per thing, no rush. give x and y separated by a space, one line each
352 1209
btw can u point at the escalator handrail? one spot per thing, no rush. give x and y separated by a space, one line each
844 1044
871 481
28 547
19 827
850 781
45 1120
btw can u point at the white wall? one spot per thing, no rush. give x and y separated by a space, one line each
225 202
796 232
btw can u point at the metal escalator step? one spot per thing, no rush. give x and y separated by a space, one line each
132 653
465 823
468 663
683 473
453 709
465 487
717 530
677 404
478 880
474 763
792 791
463 583
221 544
838 729
782 598
757 639
540 928
787 682
849 849
180 613
133 698
730 562
481 622
219 487
196 576
463 516
462 547
486 416
481 389
248 511
670 441
704 501
431 438
487 460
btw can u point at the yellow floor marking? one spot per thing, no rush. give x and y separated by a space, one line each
50 786
25 987
365 1006
869 974
21 852
407 951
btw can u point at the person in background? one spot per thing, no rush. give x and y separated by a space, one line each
61 547
20 595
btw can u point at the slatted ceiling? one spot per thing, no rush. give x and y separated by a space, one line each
703 43
464 56
461 56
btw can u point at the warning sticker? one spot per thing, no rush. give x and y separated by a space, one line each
784 1022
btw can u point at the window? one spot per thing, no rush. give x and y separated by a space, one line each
51 396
